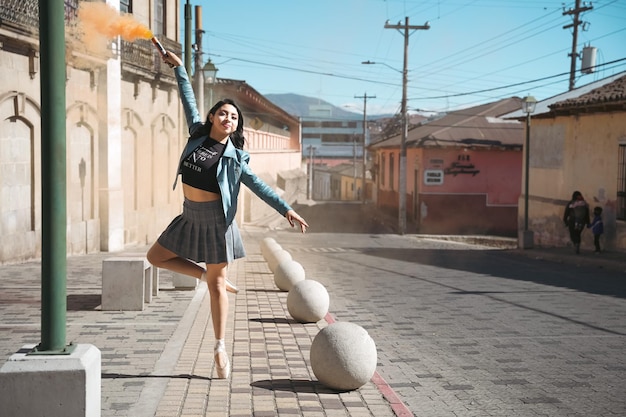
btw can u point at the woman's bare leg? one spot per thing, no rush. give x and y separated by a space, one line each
215 276
216 282
164 258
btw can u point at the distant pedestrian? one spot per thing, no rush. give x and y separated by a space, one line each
597 227
576 217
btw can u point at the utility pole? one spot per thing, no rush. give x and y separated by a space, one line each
364 153
404 29
354 196
576 11
310 187
199 75
187 57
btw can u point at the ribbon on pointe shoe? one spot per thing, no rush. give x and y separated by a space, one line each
222 364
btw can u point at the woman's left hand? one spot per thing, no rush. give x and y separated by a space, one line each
293 217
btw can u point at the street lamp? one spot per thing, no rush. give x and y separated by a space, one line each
364 151
368 62
354 140
209 71
528 106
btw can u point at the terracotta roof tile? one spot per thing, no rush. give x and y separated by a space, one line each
612 93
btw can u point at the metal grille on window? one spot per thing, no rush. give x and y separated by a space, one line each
621 184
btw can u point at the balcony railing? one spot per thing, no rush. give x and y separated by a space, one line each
20 12
141 54
22 16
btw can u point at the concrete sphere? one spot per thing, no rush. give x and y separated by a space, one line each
276 257
343 356
287 273
308 301
268 245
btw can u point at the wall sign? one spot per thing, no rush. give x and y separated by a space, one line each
462 166
433 177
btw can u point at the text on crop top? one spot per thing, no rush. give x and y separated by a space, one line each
199 169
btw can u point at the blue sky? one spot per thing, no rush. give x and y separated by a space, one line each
315 48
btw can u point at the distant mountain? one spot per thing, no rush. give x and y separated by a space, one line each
298 105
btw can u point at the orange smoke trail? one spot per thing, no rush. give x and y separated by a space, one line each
99 19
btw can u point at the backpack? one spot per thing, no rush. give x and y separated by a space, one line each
581 214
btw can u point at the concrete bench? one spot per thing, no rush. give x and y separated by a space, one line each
155 273
184 282
126 283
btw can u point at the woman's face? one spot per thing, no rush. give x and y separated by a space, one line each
224 121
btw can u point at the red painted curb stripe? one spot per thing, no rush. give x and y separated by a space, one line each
398 407
329 318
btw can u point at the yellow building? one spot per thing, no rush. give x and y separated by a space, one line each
578 143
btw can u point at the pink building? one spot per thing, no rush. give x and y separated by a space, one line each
463 172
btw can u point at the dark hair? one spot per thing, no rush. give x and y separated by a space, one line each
576 194
597 210
237 137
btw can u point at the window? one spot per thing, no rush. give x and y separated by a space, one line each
159 17
311 124
391 173
126 6
71 7
382 170
621 183
340 124
337 138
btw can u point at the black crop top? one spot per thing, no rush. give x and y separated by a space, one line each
199 169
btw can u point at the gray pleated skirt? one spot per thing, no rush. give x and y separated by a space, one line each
200 234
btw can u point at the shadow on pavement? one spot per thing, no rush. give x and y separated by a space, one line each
563 272
275 320
83 302
502 264
294 385
114 375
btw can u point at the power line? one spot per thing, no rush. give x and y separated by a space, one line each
536 59
285 67
483 44
512 85
507 37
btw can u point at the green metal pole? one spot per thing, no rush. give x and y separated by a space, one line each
53 184
188 38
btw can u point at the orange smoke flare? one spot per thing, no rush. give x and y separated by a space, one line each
101 19
158 46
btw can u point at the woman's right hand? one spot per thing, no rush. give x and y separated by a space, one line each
293 217
172 60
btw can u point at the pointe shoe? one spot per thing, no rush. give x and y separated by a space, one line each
222 364
230 287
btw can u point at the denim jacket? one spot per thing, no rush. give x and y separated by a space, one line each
233 166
